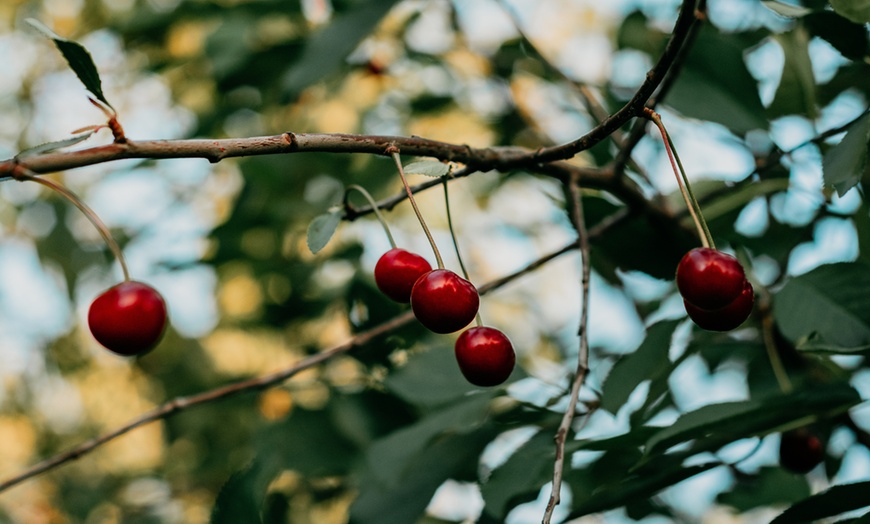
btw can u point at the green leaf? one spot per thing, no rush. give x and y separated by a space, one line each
771 486
241 497
636 487
814 343
388 458
716 86
52 146
729 420
796 94
836 500
649 361
78 58
322 228
832 300
431 168
452 457
844 164
857 11
787 10
849 38
520 478
326 50
429 379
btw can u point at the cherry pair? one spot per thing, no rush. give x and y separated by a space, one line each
715 291
444 302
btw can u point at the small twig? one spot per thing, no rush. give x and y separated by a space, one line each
576 212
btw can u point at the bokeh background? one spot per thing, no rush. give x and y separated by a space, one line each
226 243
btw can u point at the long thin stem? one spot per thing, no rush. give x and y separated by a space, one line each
682 181
576 212
398 160
374 208
695 203
88 212
767 328
477 317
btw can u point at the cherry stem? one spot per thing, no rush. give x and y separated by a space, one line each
682 181
374 206
477 317
398 160
88 212
767 328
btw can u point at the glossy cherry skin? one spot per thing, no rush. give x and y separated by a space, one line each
726 318
800 451
128 319
485 356
396 272
709 279
443 301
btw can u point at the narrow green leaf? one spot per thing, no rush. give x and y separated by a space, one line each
844 164
326 50
52 146
322 228
829 503
649 361
857 11
771 486
78 58
431 168
429 379
753 417
796 94
520 478
832 300
786 10
814 343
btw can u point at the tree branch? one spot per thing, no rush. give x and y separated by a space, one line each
575 204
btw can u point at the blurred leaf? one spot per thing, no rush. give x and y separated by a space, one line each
845 164
432 168
787 10
715 84
748 418
389 458
849 38
636 33
453 457
307 442
636 487
322 228
78 58
829 503
51 146
814 343
862 225
327 49
857 11
832 300
241 497
430 378
521 476
772 486
648 361
796 94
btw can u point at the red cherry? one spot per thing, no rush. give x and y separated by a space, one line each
709 279
485 356
443 301
128 319
726 318
800 451
396 272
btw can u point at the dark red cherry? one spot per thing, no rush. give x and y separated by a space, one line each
726 318
396 272
128 319
800 451
709 279
485 356
443 301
